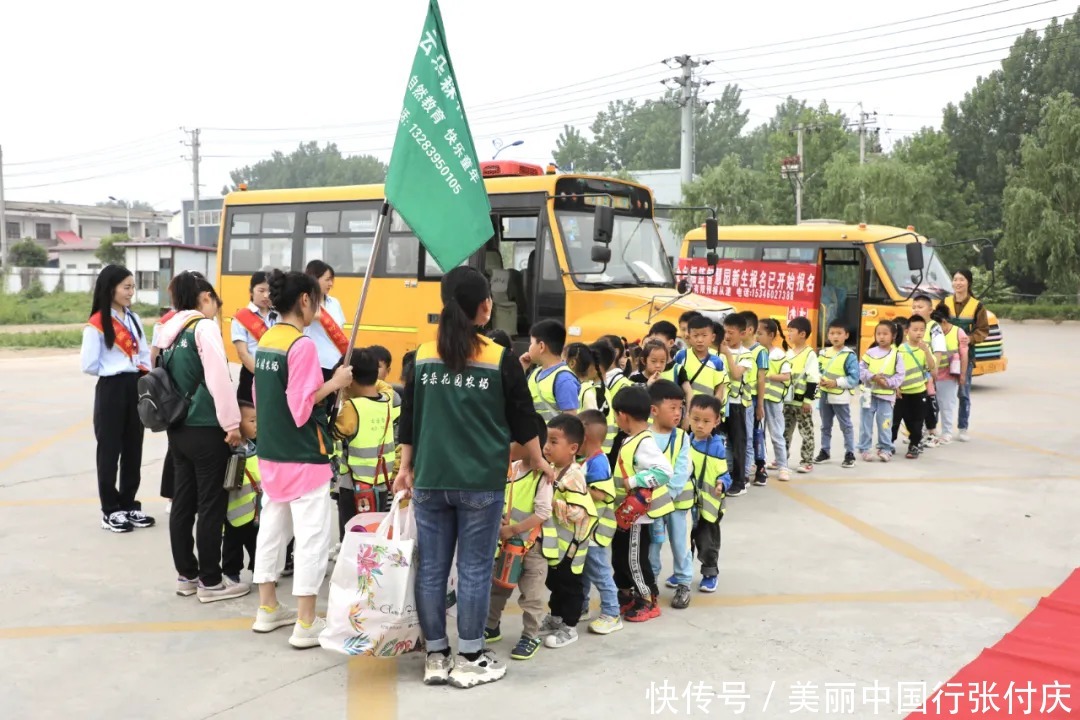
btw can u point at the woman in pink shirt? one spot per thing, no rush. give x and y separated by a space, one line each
294 447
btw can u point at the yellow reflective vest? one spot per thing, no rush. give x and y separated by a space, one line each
605 510
371 450
561 540
797 388
678 438
915 370
543 391
832 368
243 506
706 473
881 366
611 388
661 503
776 390
520 498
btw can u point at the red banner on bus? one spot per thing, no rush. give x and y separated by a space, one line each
794 286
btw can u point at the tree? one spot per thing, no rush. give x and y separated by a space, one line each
108 252
741 195
571 149
310 166
27 253
135 205
1042 199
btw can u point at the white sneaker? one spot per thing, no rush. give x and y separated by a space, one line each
304 638
437 668
549 625
561 637
225 590
268 621
605 625
963 436
482 670
185 587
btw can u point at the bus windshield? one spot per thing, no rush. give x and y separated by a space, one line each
936 280
637 253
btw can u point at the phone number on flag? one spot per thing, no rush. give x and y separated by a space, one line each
436 159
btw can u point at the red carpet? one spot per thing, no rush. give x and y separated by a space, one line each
1033 672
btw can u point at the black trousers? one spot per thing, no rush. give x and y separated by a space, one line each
705 541
910 408
930 411
243 389
567 592
119 434
630 562
200 457
235 542
735 428
167 475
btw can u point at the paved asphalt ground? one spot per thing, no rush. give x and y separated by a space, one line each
885 576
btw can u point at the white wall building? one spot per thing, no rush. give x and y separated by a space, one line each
154 263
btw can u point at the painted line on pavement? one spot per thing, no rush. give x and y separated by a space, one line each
33 449
906 549
371 689
1071 457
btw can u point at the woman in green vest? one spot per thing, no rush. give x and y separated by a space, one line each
193 354
465 402
967 313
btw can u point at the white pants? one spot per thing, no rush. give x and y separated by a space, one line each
948 405
309 519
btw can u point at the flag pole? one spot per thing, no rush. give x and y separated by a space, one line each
381 228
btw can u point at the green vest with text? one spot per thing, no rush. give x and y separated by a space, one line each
185 368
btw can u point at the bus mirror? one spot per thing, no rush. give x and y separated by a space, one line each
601 254
603 225
712 259
712 233
915 256
986 256
683 287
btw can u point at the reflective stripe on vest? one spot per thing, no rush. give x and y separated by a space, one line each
243 501
833 370
797 387
523 492
605 512
661 503
707 471
543 392
915 373
371 452
558 539
703 377
775 390
685 499
618 383
881 366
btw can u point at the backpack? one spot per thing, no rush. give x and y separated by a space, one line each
161 405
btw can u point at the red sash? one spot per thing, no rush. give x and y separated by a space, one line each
123 339
251 322
334 331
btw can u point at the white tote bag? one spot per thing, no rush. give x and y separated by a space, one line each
372 610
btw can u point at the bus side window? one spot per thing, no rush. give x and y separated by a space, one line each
874 292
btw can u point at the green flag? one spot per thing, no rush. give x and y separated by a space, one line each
434 179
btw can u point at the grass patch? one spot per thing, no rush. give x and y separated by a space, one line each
64 339
1037 311
54 309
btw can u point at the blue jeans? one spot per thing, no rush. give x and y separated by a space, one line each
964 392
842 413
598 572
674 526
879 415
755 441
469 522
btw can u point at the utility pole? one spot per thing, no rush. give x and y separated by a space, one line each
688 91
3 220
194 184
799 176
863 131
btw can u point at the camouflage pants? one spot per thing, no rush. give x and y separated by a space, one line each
794 416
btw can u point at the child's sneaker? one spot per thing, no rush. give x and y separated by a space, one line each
470 673
654 607
804 469
785 475
945 440
867 457
963 435
437 668
605 625
736 492
626 601
492 635
761 479
931 441
884 456
672 582
561 637
268 620
224 590
527 646
681 601
640 612
549 624
822 457
849 461
303 638
185 587
708 584
912 452
772 465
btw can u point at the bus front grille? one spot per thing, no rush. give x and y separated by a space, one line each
991 348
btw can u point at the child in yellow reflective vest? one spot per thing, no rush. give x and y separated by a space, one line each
602 489
242 512
911 401
881 372
528 506
709 473
573 517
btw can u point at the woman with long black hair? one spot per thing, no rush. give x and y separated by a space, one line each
114 348
193 354
248 325
328 329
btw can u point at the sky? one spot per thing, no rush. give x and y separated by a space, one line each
94 98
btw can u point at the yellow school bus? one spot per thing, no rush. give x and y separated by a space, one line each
825 270
541 259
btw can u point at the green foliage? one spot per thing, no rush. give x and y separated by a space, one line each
310 166
1042 199
34 291
108 252
27 253
57 308
741 196
571 149
1037 311
66 339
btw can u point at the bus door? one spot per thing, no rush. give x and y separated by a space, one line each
877 302
841 273
510 261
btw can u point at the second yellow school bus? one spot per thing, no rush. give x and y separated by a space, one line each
539 258
825 270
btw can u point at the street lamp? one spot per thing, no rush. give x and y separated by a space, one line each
499 146
127 206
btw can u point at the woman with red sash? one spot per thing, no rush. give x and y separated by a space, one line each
114 348
328 330
248 325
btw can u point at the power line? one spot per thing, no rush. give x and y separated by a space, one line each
128 171
89 153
